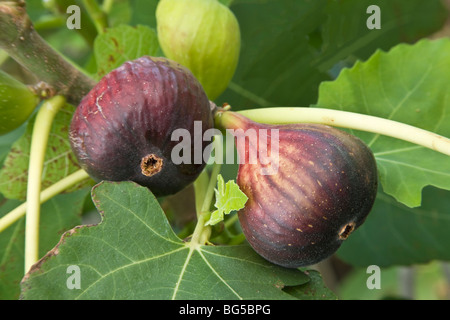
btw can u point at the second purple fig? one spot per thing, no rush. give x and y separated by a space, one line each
321 189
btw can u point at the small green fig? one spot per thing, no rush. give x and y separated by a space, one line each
322 190
17 102
202 35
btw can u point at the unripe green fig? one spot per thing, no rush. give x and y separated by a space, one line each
17 102
202 35
322 188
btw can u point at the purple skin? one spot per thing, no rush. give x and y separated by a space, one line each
122 128
324 189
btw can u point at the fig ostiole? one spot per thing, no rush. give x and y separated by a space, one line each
202 35
323 189
122 129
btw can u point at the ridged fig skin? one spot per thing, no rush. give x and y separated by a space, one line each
131 114
324 189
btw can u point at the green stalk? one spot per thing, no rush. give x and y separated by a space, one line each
39 140
200 188
97 15
107 6
20 41
59 8
55 189
201 232
3 56
344 119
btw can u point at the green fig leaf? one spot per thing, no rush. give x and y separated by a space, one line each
58 214
312 290
229 198
290 46
123 43
346 37
59 159
409 84
134 254
395 234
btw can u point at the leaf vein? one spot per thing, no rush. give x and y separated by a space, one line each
127 266
218 275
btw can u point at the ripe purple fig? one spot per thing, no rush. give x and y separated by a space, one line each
323 187
122 129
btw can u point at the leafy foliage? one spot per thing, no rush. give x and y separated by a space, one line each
57 215
408 84
294 53
395 234
134 254
59 159
123 43
310 41
228 198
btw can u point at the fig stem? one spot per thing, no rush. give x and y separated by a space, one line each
21 42
107 6
230 221
48 193
346 119
39 139
97 15
200 188
201 232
